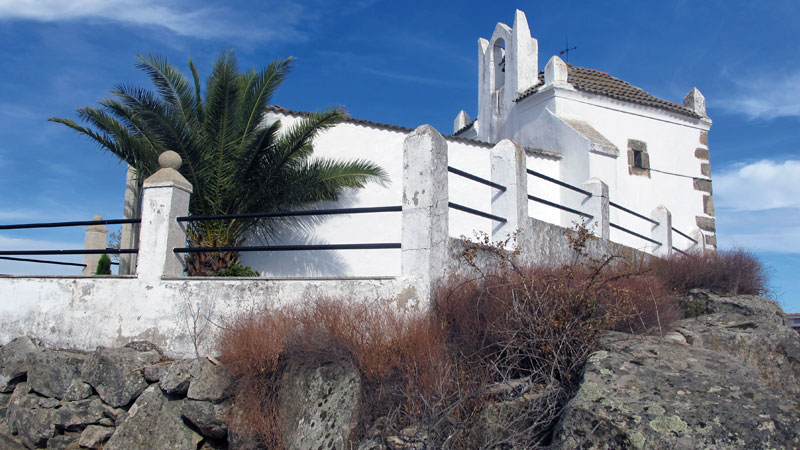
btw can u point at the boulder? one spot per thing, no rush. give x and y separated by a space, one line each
117 373
176 379
210 418
30 417
319 405
758 341
66 441
154 421
701 302
648 392
94 436
13 366
154 373
7 440
209 382
55 373
74 416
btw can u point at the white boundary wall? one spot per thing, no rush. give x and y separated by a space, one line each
180 314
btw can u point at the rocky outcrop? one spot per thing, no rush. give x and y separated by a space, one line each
721 381
110 398
319 405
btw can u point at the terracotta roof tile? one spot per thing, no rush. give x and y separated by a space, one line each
601 83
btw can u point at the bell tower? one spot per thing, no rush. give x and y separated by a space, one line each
508 65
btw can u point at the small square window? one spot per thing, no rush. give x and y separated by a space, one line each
638 159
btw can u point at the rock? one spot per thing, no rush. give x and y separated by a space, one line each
410 438
758 341
144 346
116 373
7 440
30 416
55 373
518 420
209 382
646 392
701 302
74 416
66 441
13 366
94 436
176 379
210 418
319 405
154 373
77 390
154 421
116 415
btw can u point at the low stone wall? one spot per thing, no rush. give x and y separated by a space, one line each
179 315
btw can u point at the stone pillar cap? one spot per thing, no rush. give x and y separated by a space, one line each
168 175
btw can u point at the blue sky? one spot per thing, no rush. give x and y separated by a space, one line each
404 63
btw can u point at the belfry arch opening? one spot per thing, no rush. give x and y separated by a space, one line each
499 61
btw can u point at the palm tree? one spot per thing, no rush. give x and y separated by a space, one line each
235 163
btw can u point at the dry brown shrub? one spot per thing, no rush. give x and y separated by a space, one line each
395 352
735 271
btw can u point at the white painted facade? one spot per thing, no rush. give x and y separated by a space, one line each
591 131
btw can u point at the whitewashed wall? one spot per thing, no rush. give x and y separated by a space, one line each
384 146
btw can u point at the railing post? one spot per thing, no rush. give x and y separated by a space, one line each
425 210
128 236
96 239
509 169
663 231
597 206
165 197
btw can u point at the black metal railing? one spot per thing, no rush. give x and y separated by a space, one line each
633 233
12 255
633 213
292 247
559 182
559 206
684 235
474 211
564 185
472 177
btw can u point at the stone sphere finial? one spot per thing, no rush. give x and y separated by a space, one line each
170 160
97 217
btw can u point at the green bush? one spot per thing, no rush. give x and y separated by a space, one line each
238 270
103 265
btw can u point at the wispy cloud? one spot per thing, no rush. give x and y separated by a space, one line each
280 21
765 96
759 186
29 268
774 231
415 78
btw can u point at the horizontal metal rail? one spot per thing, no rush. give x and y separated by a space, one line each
680 251
60 263
286 248
469 210
561 207
633 233
68 224
684 235
472 177
634 213
559 182
108 251
308 212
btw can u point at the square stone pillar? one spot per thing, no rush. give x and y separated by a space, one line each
424 239
597 206
509 169
129 234
96 239
663 231
165 197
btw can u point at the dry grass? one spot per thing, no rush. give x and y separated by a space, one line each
733 272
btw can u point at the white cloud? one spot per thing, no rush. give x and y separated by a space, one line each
276 21
759 186
766 97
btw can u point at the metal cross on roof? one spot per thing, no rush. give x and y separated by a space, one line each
567 49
